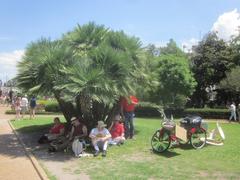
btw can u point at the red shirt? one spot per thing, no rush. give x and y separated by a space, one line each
56 129
117 130
126 106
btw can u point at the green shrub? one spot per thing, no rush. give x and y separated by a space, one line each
208 113
145 109
37 112
52 107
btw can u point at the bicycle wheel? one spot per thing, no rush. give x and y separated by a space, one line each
198 138
160 141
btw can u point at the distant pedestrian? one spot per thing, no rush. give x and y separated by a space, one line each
10 95
33 105
238 112
233 112
24 105
17 105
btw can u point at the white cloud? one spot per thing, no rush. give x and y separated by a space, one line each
187 45
8 63
227 24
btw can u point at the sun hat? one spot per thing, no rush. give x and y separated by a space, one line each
73 119
101 124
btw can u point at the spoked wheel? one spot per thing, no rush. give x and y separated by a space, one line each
160 141
198 138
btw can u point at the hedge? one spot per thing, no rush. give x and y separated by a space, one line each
52 107
209 113
37 112
146 109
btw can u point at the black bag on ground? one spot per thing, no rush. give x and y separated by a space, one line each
43 140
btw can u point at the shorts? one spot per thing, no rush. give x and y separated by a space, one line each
24 109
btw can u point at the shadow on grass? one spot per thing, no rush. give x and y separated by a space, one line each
30 136
185 146
167 154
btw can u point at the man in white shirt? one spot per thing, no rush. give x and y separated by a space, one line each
100 136
233 112
24 105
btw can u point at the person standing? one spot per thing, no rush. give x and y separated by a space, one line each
24 105
238 112
233 112
127 111
33 104
17 106
10 95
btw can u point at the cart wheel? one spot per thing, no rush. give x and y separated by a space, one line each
198 139
160 141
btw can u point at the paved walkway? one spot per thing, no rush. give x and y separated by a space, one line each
14 163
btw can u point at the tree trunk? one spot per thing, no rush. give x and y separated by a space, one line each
67 108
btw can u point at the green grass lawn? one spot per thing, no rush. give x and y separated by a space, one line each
135 160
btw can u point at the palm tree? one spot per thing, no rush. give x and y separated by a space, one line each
88 70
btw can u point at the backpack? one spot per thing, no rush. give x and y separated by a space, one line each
43 140
78 147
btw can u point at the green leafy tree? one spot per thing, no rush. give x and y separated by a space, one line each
88 70
172 48
175 79
210 60
231 83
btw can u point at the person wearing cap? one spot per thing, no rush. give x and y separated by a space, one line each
100 137
78 130
117 131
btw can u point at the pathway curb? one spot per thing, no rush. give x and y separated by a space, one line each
30 155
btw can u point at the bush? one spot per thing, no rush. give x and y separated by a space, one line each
52 107
208 113
37 112
146 109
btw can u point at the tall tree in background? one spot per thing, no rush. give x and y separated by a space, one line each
171 48
210 61
176 82
232 81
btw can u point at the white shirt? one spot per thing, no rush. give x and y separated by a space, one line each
24 102
233 108
99 134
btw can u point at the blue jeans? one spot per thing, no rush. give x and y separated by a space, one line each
233 115
129 127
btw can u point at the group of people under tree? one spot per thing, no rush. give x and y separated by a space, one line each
121 128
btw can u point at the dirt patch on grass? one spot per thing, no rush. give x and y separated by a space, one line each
138 157
219 175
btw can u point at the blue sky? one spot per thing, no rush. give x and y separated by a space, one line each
153 21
